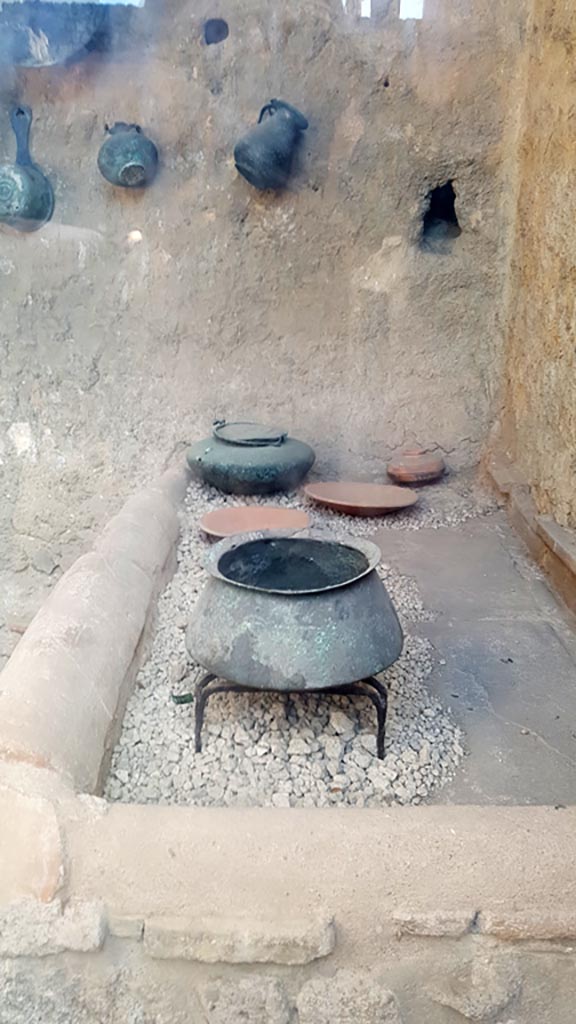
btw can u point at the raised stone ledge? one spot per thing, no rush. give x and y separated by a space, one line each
234 941
551 545
354 865
60 690
559 539
240 914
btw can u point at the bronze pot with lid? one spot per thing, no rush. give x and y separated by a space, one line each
250 458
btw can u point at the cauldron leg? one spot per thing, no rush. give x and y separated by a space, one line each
378 694
202 695
371 688
289 706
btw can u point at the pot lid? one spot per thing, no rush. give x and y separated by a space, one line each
254 435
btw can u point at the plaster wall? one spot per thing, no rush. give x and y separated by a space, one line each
539 423
317 308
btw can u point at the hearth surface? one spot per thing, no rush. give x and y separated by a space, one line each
266 749
466 718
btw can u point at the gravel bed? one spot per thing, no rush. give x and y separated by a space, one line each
275 750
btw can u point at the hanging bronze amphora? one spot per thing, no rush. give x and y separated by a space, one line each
128 158
26 196
264 156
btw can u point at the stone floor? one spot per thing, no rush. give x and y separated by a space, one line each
505 660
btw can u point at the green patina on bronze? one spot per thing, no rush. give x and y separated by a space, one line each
128 158
248 458
256 632
265 155
26 196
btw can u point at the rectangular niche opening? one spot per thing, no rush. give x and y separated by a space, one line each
440 221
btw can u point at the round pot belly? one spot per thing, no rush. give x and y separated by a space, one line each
295 641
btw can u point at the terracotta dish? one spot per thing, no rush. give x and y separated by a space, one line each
361 499
416 466
225 522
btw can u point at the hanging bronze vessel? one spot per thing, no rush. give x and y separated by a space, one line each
264 156
128 157
26 196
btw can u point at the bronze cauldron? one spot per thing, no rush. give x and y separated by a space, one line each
293 613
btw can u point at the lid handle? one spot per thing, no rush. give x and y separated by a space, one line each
247 434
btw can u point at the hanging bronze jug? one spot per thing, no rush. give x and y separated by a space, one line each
128 158
26 196
264 156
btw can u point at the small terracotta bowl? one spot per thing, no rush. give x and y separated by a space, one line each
416 466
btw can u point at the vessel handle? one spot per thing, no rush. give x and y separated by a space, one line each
268 109
297 116
21 119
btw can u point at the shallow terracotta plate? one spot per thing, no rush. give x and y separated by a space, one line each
361 499
225 522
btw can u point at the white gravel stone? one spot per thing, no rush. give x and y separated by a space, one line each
280 800
333 747
297 746
341 724
265 749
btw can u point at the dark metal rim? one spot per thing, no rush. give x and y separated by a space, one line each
270 437
212 558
